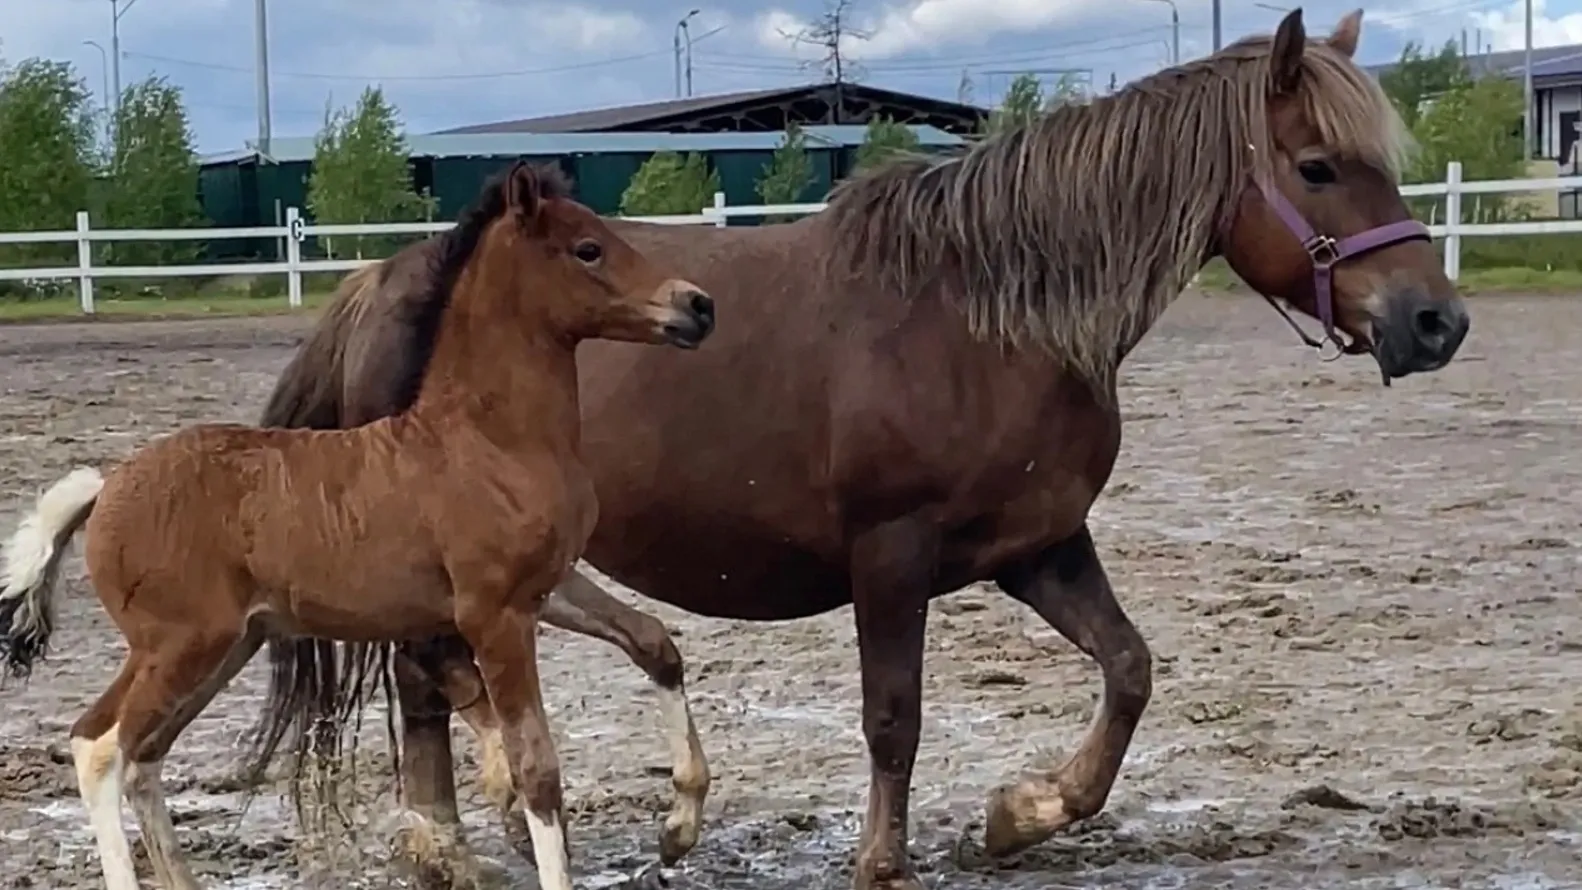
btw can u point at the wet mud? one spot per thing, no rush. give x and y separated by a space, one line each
1363 604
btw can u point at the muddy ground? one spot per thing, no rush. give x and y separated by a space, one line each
1363 604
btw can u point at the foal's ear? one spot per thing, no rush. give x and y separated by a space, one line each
522 190
1347 33
1285 59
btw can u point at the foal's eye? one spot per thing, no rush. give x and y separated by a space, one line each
1316 172
588 252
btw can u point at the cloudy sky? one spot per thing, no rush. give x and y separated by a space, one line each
453 62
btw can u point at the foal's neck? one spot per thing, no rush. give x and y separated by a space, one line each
505 373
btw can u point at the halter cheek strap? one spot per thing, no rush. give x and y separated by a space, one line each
1324 252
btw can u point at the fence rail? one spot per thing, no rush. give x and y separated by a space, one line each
296 230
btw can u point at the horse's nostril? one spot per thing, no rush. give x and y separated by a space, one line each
1431 323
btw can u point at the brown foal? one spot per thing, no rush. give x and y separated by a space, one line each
459 515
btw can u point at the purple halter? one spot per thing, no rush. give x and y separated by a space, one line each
1324 253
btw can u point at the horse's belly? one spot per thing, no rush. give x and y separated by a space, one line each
718 569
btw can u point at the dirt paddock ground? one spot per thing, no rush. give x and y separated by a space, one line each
1363 604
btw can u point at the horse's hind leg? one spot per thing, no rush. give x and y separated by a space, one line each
581 606
101 766
431 839
1068 587
175 684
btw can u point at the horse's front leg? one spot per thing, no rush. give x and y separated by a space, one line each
1067 586
892 572
583 607
501 625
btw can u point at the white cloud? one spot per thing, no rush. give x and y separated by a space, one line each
926 24
1506 28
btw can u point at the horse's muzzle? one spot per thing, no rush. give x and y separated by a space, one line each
1419 333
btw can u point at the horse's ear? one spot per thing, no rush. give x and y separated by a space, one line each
1347 33
522 191
1285 60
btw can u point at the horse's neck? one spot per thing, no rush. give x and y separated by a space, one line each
510 378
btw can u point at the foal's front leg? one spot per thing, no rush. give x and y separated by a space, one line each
502 627
1067 586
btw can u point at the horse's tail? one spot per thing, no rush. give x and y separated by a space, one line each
311 695
32 565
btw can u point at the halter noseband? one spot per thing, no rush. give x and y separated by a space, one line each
1324 252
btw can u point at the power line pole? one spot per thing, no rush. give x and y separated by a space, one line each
261 24
1217 43
1527 88
118 8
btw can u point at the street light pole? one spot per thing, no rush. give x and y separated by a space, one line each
1175 31
104 71
684 32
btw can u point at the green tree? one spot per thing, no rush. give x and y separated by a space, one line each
1068 90
47 149
1417 78
153 174
667 184
1478 123
1023 103
361 174
788 173
883 140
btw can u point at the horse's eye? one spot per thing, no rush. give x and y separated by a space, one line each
1316 172
589 252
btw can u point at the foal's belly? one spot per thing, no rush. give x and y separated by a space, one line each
371 603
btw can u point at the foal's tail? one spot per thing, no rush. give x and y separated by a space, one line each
32 564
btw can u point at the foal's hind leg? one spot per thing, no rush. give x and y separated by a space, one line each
1068 587
124 738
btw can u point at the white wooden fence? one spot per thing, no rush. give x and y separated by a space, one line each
296 230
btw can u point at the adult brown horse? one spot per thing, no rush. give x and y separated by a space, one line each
941 408
458 515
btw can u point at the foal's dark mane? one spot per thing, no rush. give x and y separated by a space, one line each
451 251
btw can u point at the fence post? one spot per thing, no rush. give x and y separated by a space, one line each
84 264
293 257
719 209
1453 220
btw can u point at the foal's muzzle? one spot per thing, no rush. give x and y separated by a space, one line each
693 320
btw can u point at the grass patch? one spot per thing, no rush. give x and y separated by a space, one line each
1520 279
153 309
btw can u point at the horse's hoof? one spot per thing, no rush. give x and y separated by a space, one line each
676 839
886 874
1018 819
650 878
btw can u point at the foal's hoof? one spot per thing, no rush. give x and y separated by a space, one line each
676 839
518 835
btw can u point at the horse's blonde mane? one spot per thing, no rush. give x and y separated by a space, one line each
1075 232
